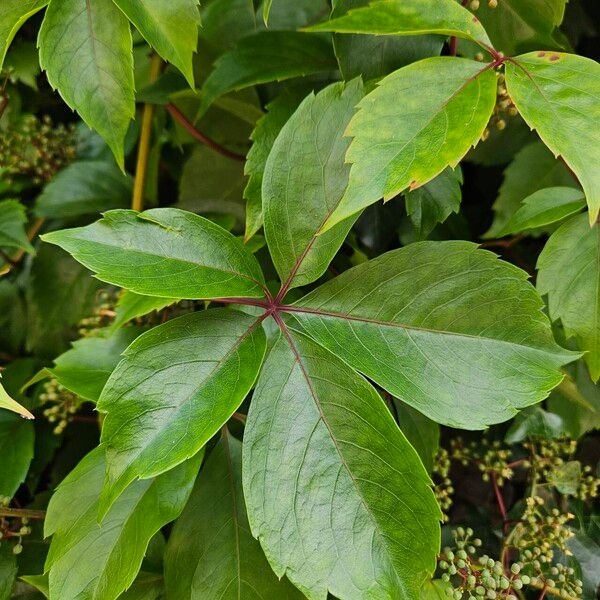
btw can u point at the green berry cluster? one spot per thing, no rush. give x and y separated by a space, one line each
64 405
548 456
104 313
35 149
477 577
443 488
13 528
503 109
491 457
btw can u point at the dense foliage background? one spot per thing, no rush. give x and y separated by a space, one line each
270 383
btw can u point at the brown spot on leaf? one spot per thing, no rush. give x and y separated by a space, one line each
541 54
475 20
554 57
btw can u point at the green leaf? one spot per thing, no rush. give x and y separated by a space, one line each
169 26
180 381
13 319
409 17
559 96
298 201
535 422
164 252
86 51
147 586
434 202
39 582
13 218
13 13
443 326
422 433
587 553
569 273
566 477
211 552
119 543
533 168
263 137
22 63
545 207
436 589
60 293
8 571
131 306
515 26
373 56
84 187
16 450
335 493
267 56
7 403
266 10
85 369
419 120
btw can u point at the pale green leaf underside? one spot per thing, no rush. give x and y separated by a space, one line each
13 13
443 326
569 272
267 56
169 26
7 403
559 96
419 120
545 207
13 218
86 51
92 561
211 553
164 252
336 495
298 201
84 187
409 17
180 381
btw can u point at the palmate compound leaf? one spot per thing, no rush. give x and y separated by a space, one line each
174 389
419 120
443 326
13 13
92 561
298 201
336 495
569 273
86 51
559 95
169 26
211 553
409 17
164 252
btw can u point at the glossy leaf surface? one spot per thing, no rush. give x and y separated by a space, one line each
86 51
445 327
120 541
569 272
211 552
169 26
409 17
164 252
559 95
180 381
335 493
419 120
297 202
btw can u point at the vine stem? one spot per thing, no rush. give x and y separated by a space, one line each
141 169
201 137
23 513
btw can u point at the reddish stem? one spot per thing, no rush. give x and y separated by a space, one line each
201 137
